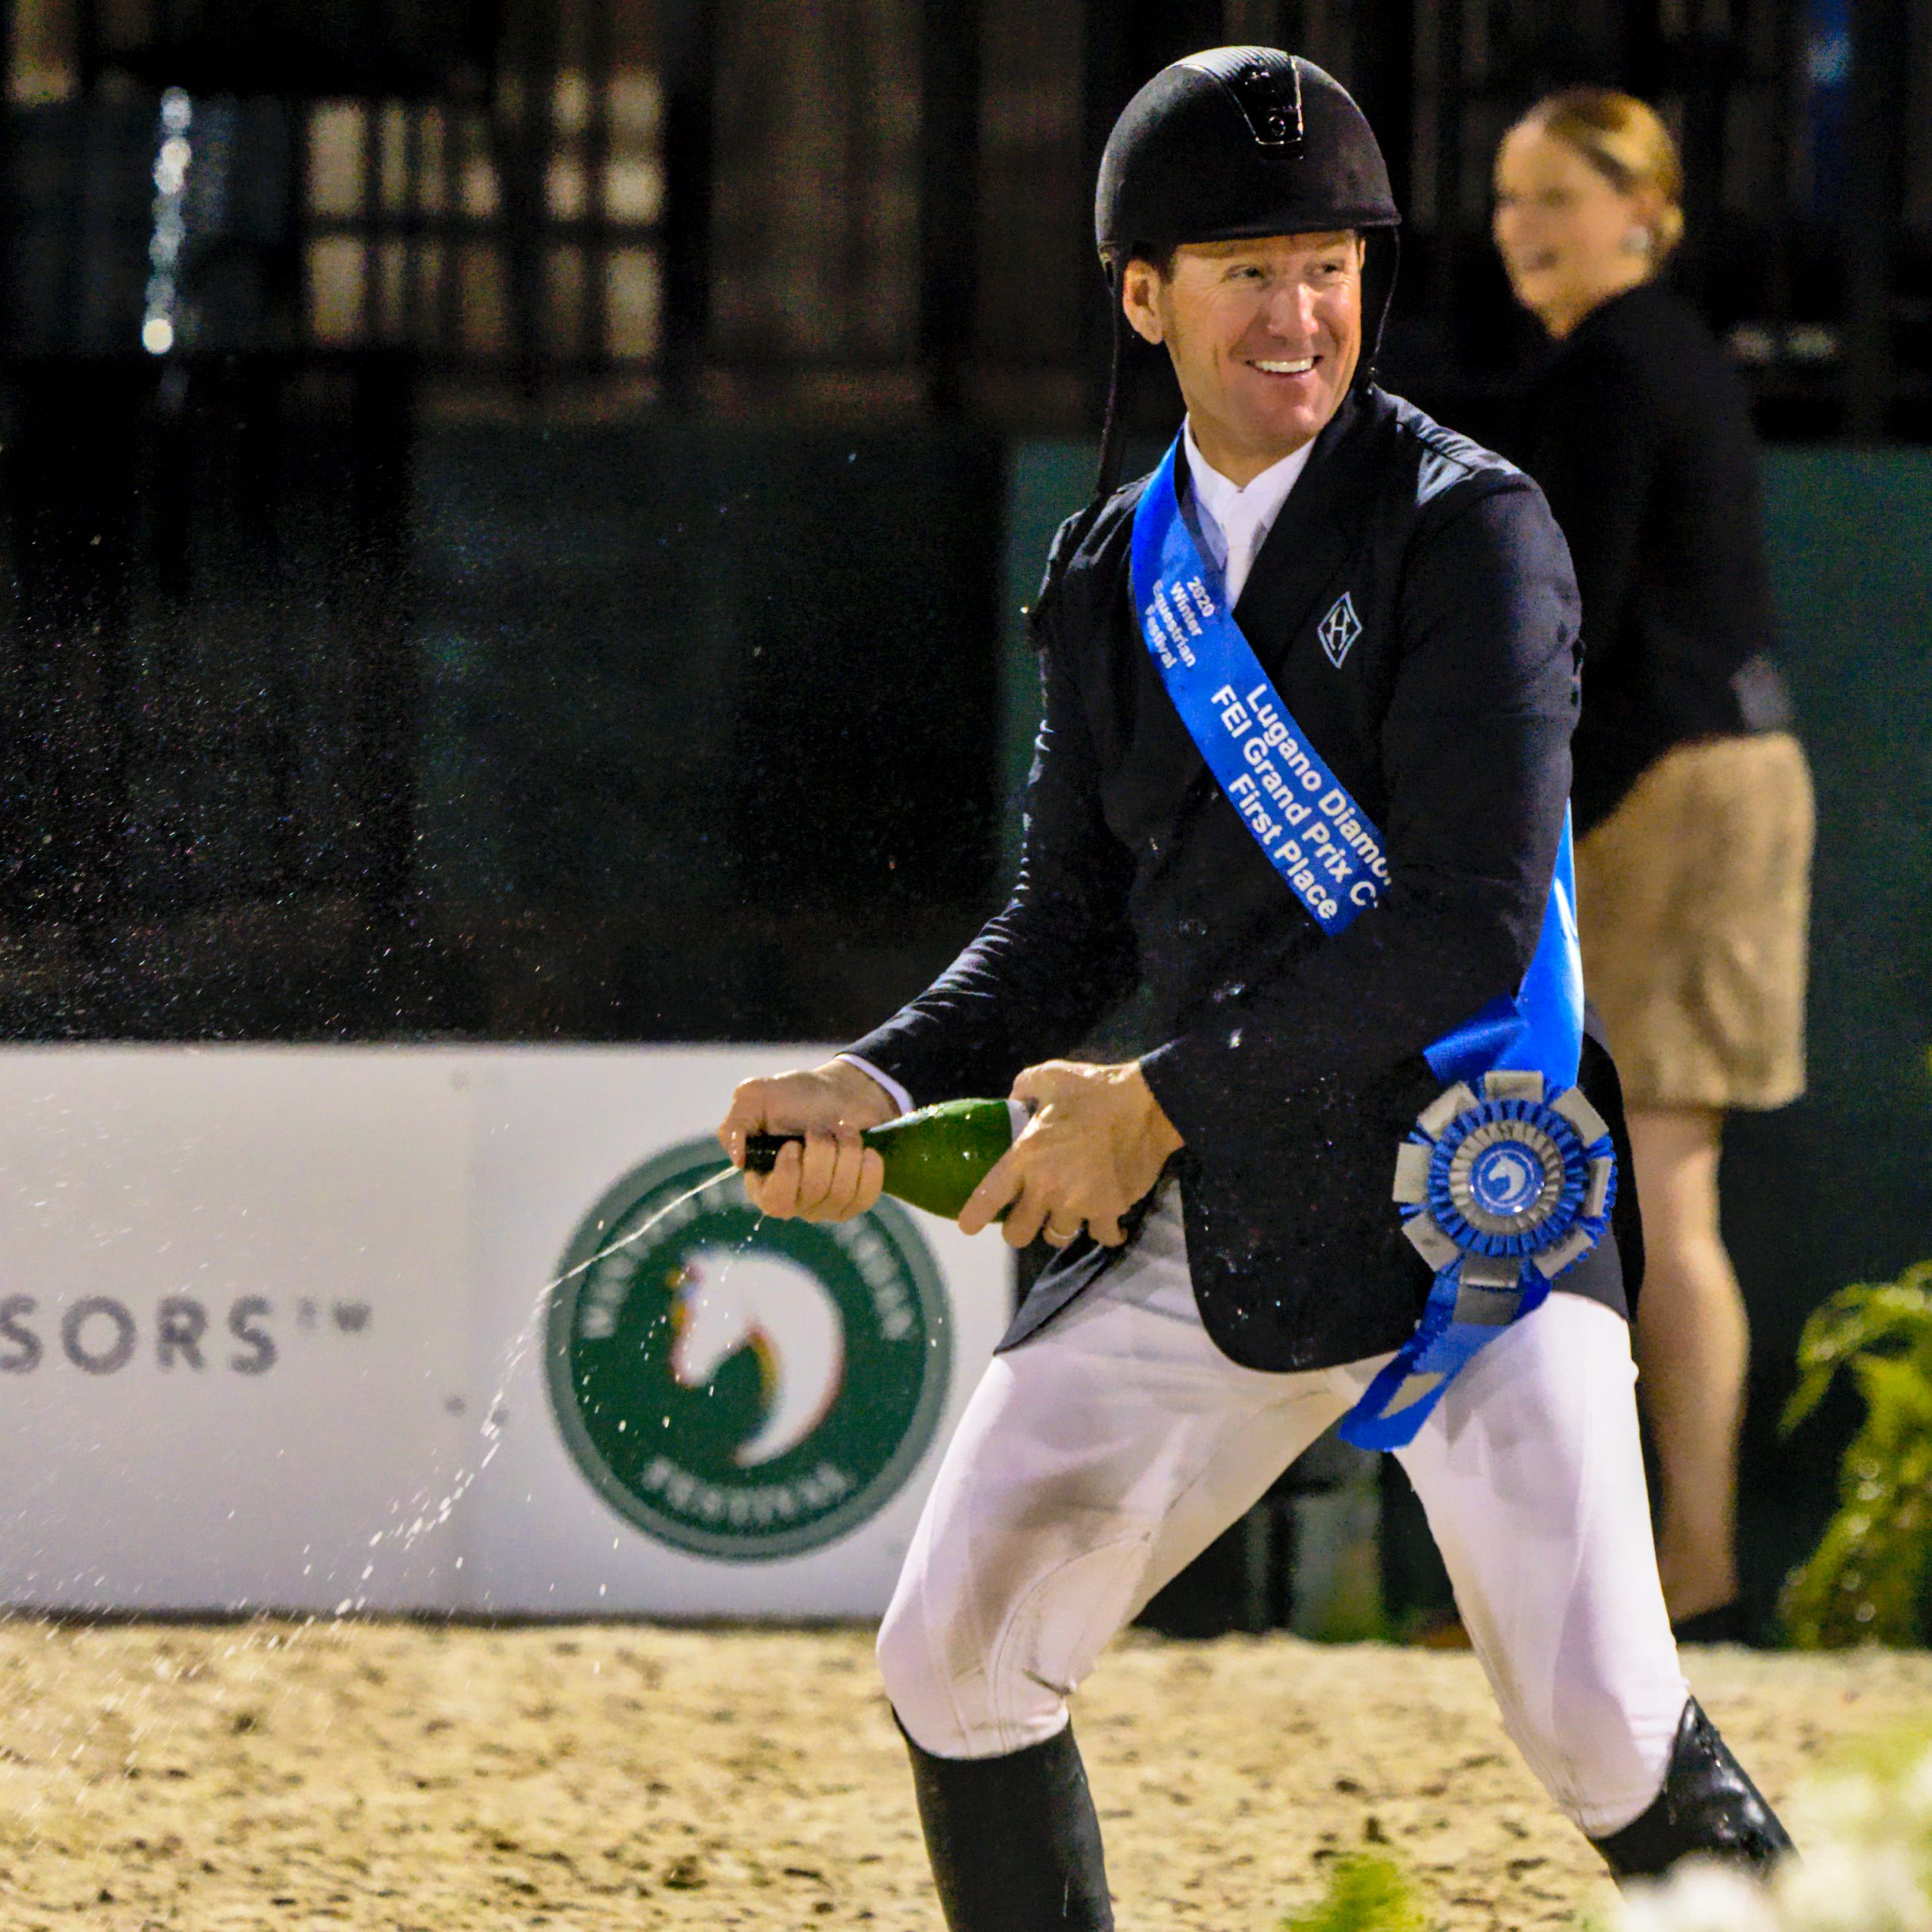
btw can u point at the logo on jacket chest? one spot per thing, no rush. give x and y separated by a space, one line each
1339 630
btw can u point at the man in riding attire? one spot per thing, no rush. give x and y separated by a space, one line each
1234 1277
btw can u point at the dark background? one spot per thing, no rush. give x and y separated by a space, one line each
519 535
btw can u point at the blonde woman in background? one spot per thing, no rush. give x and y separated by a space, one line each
1693 801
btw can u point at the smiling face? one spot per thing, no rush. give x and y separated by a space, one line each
1565 230
1264 336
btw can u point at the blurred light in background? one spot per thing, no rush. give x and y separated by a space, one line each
170 227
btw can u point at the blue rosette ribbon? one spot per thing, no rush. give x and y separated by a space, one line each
1500 1191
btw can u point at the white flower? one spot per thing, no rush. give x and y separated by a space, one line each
1698 1897
1915 1795
1844 1805
1839 1887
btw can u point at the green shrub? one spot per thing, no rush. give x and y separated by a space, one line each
1365 1894
1867 1580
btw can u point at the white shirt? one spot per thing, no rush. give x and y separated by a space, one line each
1235 517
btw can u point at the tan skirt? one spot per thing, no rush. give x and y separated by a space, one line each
1693 899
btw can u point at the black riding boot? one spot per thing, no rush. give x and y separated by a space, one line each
1707 1805
1014 1843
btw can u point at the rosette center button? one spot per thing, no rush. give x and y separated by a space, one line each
1507 1178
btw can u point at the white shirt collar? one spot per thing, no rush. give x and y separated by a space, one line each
1239 516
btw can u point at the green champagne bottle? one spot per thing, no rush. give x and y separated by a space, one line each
933 1158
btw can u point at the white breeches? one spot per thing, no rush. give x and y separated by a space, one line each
1097 1459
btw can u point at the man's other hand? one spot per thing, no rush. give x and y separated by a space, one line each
1097 1143
829 1175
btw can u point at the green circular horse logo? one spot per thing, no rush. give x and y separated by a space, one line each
739 1387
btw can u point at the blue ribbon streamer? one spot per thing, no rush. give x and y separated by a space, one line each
1334 858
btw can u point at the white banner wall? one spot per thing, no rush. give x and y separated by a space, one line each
273 1334
232 1291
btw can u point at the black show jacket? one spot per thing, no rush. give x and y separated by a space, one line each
1291 1063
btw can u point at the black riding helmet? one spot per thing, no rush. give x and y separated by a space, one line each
1239 141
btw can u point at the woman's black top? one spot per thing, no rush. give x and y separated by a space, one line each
1638 431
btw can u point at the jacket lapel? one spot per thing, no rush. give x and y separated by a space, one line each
1318 528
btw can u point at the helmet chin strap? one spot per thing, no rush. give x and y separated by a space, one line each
1113 451
1113 427
1114 424
1371 347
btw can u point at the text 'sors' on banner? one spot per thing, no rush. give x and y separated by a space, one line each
273 1334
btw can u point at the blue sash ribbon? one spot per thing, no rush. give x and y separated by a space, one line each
1506 1178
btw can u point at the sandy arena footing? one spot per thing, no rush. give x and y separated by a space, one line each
410 1779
